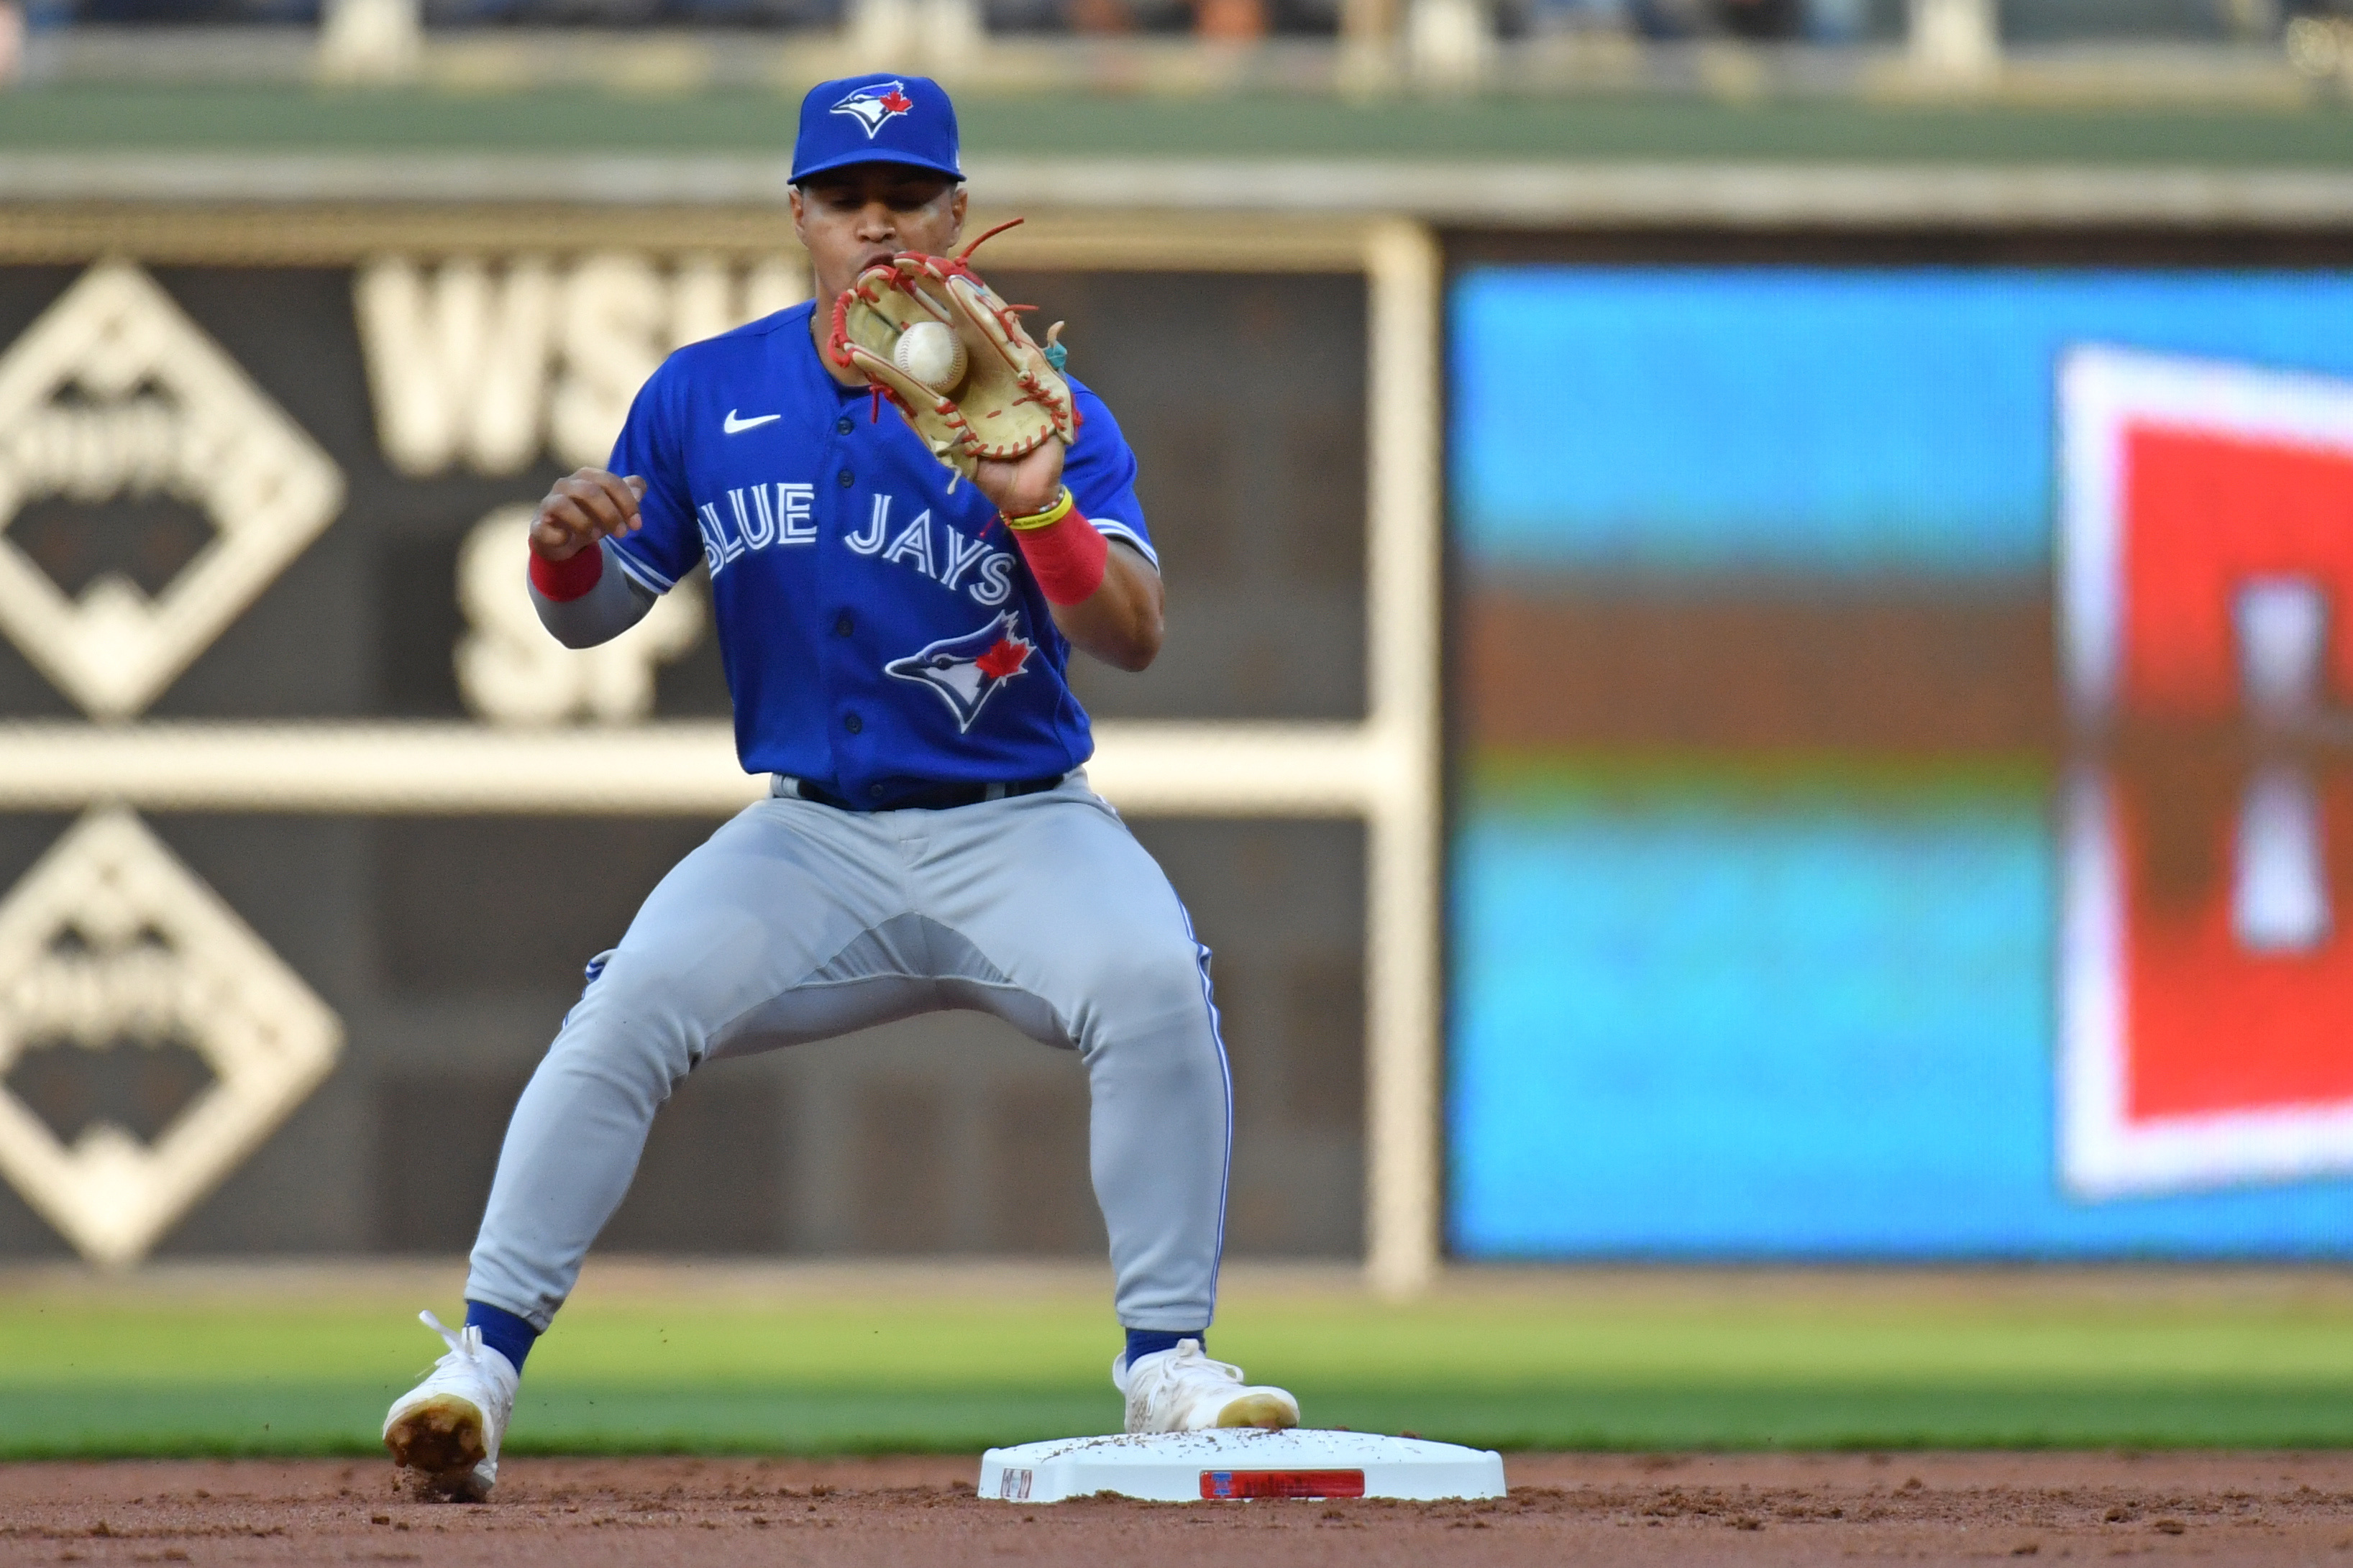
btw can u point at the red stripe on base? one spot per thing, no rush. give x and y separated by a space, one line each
571 578
1216 1484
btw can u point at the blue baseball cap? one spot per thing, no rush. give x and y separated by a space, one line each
878 118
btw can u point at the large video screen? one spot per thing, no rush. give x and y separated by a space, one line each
1905 801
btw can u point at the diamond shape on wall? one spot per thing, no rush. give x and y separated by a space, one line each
110 938
114 391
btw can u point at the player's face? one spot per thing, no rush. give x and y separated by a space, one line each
852 218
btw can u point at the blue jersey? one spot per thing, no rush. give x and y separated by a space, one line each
879 628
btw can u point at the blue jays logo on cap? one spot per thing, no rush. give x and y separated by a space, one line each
899 120
870 106
966 670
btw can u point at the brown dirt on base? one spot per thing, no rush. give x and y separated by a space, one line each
1662 1509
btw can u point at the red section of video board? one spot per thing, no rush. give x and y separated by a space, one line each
2204 514
2211 1026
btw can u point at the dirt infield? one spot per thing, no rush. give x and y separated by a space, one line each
2235 1508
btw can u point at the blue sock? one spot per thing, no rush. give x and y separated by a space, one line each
1141 1343
502 1331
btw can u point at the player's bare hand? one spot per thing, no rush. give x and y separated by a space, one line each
585 507
1026 484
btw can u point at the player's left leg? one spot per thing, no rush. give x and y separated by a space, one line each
1057 920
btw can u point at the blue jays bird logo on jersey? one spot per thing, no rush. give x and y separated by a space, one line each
966 670
876 105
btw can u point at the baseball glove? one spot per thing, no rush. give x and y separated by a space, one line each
953 357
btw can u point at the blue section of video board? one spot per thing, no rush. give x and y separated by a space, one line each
1696 1025
1808 421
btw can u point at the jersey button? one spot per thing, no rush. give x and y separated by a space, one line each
853 723
845 425
844 625
875 791
845 478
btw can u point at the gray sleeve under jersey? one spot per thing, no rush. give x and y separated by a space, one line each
615 604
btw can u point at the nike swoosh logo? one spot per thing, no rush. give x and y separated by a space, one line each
735 426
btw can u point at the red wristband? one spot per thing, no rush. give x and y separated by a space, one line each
571 578
1066 557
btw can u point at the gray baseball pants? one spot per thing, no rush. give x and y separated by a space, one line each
796 922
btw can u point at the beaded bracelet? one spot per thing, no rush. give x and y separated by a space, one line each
1062 506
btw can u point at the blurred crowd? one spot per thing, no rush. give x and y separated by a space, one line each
1824 21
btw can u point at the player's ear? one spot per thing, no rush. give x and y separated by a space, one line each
800 226
955 213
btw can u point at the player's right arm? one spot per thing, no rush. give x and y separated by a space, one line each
581 594
585 506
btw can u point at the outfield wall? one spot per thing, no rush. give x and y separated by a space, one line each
311 835
1792 899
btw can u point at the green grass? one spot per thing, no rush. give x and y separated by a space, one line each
1631 1361
740 120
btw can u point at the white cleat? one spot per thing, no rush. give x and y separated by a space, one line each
1184 1391
447 1428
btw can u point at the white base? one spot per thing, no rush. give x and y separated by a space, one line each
1240 1462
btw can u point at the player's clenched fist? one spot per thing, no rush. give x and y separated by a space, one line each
1022 485
584 506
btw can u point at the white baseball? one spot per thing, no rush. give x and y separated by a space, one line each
931 354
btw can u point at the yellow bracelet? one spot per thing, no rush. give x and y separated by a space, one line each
1064 506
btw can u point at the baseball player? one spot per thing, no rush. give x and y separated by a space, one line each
895 642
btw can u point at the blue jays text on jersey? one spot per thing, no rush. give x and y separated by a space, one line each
877 627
